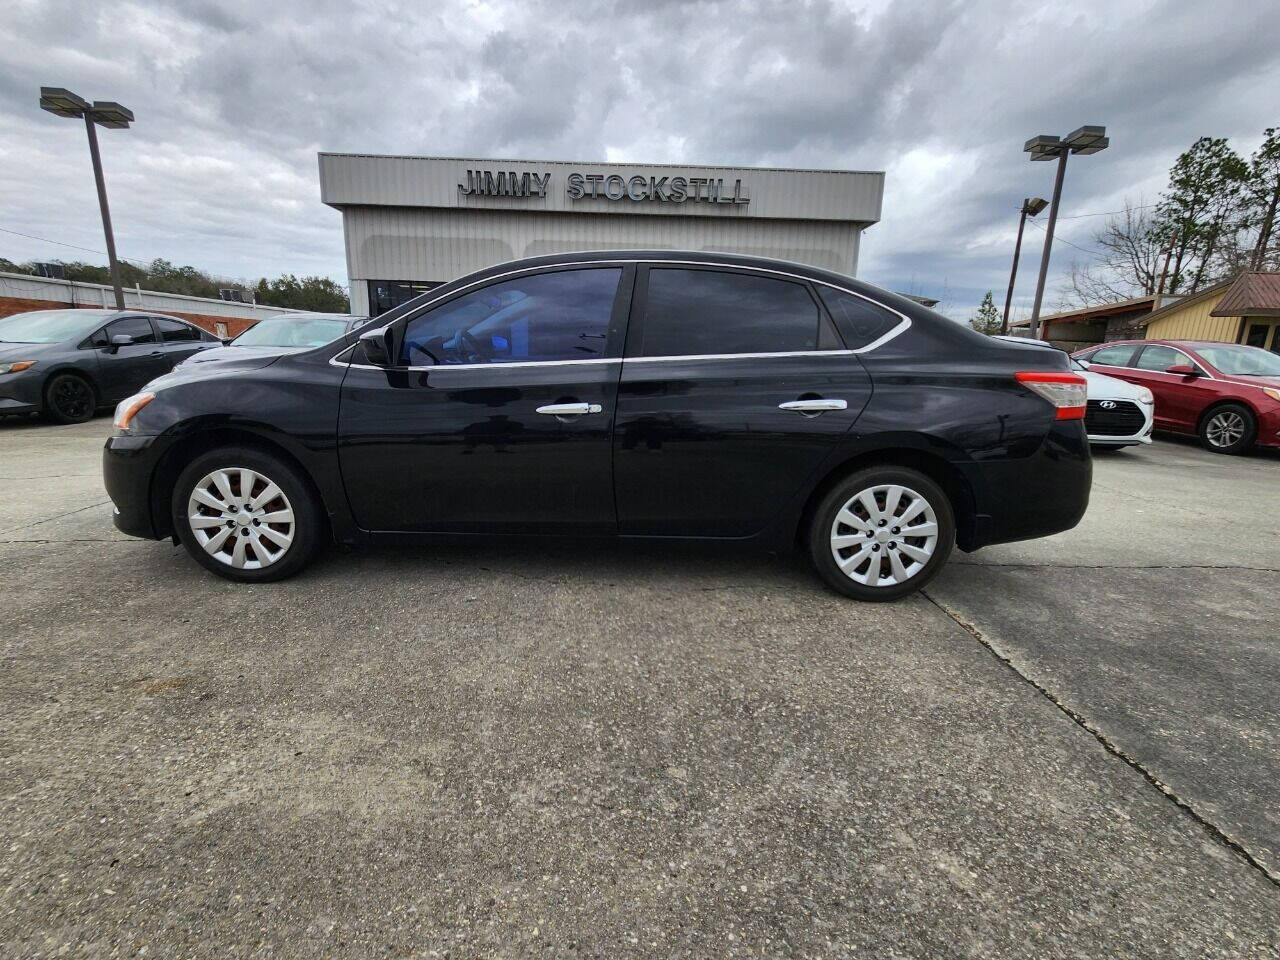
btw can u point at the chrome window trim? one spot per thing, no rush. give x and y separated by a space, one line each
880 341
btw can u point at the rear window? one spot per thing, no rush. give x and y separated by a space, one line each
1113 356
707 312
860 321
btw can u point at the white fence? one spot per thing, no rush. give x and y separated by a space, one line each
99 295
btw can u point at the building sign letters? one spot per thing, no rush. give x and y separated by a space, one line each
599 186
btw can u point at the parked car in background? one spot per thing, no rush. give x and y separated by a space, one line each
66 364
284 332
1225 393
651 394
1119 414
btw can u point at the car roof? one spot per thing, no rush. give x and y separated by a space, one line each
703 257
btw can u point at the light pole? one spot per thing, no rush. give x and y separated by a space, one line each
64 103
1030 207
1084 141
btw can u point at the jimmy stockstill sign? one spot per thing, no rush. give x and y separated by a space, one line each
598 186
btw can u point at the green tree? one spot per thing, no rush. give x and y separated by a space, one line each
306 293
1264 199
1201 209
987 319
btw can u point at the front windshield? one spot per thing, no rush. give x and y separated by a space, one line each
1239 361
1077 365
47 326
301 332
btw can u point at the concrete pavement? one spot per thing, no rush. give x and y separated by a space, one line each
513 750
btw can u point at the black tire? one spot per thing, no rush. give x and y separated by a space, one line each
305 532
1229 428
920 566
69 398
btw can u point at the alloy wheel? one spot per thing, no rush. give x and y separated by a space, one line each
884 535
72 398
241 518
1225 429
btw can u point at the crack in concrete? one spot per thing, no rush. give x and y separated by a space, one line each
36 523
1202 820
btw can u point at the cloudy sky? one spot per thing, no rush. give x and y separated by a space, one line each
234 99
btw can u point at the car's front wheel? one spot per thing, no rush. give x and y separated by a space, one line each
246 515
69 398
1229 428
881 533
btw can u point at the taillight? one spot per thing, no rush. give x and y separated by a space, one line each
1068 392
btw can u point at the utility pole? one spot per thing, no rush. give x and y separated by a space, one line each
1030 207
63 103
1085 141
106 210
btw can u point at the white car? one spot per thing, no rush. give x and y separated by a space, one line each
1119 413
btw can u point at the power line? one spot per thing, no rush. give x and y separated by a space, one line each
1108 213
60 243
1057 239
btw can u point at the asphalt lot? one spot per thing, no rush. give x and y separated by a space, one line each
1067 748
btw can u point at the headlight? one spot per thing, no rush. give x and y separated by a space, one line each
1146 396
1271 392
128 408
16 367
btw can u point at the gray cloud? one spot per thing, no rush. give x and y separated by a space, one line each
234 100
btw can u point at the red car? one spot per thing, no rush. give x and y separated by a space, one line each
1225 393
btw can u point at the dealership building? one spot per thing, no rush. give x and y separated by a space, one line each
412 223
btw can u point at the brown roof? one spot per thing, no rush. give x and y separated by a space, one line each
1252 295
1132 305
1184 301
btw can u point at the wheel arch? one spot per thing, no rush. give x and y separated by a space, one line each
199 442
72 369
1228 401
937 468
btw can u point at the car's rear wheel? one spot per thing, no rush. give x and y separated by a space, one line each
69 398
1229 428
882 533
246 515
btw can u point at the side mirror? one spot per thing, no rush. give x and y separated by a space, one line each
379 347
120 340
1182 370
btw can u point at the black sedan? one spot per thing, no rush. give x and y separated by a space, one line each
68 363
618 394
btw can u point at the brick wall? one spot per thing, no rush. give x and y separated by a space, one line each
234 325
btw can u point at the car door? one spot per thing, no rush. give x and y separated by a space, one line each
179 340
734 390
1180 399
499 415
123 370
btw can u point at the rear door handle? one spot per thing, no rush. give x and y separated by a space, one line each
570 409
813 406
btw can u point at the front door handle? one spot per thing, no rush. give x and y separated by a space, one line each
570 409
812 408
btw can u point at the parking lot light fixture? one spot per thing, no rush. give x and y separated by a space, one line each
1086 141
1031 206
61 102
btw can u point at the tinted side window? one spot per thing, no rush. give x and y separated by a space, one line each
172 330
137 327
1113 356
861 321
691 312
1160 358
545 316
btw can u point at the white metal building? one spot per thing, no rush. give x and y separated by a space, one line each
411 223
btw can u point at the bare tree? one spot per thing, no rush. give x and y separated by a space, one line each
1128 264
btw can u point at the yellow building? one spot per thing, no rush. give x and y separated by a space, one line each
1245 309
